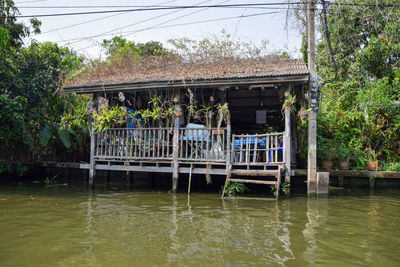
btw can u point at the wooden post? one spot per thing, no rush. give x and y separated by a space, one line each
322 183
175 151
108 176
67 174
228 144
92 165
130 178
371 183
287 139
341 181
312 123
190 178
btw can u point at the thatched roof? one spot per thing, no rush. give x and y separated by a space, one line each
175 71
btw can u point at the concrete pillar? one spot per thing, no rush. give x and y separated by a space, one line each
175 150
312 123
287 138
92 170
322 183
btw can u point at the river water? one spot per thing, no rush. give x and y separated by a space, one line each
67 226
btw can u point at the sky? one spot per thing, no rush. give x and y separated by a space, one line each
84 33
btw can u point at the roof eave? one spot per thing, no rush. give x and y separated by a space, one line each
204 83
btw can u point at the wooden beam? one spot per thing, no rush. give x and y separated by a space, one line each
356 174
254 101
252 181
271 173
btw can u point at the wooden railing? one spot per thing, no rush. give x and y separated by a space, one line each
193 145
259 149
134 143
202 144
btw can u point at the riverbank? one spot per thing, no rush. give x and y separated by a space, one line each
66 171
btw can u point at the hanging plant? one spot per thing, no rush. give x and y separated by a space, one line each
109 118
303 114
223 114
290 103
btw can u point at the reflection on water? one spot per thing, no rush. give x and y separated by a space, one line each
64 227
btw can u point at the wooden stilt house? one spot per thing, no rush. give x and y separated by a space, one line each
233 120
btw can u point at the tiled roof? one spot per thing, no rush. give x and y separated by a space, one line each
170 72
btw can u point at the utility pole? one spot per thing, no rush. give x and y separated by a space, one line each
313 100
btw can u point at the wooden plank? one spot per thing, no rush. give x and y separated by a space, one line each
248 141
154 143
267 149
181 143
241 149
255 149
250 198
114 148
252 181
255 172
189 132
131 143
356 173
202 147
215 132
163 137
228 144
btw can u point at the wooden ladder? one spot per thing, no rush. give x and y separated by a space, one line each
276 173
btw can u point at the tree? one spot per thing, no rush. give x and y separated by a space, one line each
119 48
30 76
362 108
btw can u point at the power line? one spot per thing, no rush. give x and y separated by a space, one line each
136 23
144 9
33 1
194 22
146 6
93 20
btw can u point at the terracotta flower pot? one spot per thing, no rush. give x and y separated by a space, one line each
372 165
343 165
326 164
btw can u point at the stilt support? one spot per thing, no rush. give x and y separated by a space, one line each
322 183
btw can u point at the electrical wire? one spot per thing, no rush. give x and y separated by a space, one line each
147 6
93 20
76 40
327 36
263 5
194 22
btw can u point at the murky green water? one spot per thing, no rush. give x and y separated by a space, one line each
66 227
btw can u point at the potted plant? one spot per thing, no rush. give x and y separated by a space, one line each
327 163
327 151
343 153
372 159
